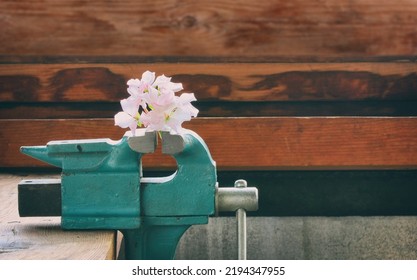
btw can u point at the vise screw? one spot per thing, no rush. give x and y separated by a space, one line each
102 187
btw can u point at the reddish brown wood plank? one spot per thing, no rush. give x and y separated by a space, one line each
209 28
247 82
249 143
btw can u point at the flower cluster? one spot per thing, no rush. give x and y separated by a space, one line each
161 109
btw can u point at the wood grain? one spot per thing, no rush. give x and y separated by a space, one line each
274 143
216 109
227 82
42 238
209 28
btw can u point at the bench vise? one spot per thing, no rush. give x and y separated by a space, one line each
102 187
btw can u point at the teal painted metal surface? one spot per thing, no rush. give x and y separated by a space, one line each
102 188
191 191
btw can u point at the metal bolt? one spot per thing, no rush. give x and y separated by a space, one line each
241 183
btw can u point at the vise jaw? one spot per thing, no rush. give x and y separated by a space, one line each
102 187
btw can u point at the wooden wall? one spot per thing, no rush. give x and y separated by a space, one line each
286 89
209 28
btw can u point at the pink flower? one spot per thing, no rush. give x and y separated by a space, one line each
138 88
159 98
130 115
162 110
165 83
171 117
183 111
154 120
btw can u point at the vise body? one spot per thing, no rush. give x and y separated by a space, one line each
102 187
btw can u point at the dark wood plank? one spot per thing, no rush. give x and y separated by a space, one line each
330 193
82 110
244 82
274 143
209 28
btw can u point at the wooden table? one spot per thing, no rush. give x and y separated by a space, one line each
41 238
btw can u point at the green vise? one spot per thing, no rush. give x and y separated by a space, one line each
102 187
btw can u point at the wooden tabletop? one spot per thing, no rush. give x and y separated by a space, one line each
41 238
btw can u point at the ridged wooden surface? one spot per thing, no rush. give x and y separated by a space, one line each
281 85
32 89
249 143
209 28
221 81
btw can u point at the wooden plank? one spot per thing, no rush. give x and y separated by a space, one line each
42 237
274 143
209 28
223 81
87 110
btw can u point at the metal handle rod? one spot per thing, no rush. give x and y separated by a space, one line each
241 233
241 225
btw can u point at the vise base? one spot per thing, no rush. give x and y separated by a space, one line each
102 187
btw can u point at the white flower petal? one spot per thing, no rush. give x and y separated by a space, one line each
133 127
161 80
124 120
153 120
130 106
193 111
148 77
134 82
175 125
176 86
166 99
135 91
186 98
